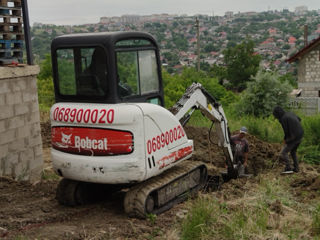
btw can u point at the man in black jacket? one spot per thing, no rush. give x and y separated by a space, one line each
293 133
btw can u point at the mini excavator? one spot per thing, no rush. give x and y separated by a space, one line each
109 125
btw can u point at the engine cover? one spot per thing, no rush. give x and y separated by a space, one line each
115 143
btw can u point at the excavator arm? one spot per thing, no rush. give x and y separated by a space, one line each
196 97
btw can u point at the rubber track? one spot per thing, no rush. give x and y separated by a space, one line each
135 199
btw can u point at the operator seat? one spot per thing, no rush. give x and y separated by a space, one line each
93 81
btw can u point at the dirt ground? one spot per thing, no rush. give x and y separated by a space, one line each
30 211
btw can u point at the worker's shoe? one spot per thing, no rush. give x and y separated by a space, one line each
240 169
244 175
296 170
287 170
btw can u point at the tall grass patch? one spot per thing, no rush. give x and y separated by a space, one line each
209 219
311 126
310 147
201 216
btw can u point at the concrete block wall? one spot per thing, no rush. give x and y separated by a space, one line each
20 133
308 105
309 74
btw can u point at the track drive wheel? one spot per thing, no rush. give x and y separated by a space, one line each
150 204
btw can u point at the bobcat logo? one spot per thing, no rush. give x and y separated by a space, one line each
65 140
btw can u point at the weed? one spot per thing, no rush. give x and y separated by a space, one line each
294 233
23 175
49 175
152 218
21 237
155 232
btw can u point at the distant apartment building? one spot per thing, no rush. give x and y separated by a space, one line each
122 19
228 14
130 18
108 20
301 10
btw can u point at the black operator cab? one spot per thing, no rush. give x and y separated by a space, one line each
107 68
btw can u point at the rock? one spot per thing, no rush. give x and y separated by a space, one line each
3 232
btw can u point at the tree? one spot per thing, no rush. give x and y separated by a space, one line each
241 63
210 48
264 93
45 84
45 68
290 78
218 72
176 84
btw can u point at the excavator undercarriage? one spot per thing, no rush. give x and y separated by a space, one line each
153 196
160 193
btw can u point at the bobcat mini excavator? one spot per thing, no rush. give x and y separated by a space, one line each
109 126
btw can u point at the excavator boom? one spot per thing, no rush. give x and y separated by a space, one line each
196 97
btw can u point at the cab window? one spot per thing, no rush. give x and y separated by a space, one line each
82 71
137 72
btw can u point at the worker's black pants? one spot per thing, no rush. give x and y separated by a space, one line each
292 148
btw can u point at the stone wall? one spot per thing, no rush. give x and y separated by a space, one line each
20 134
308 105
309 73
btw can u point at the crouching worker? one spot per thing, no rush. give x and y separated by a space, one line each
293 133
241 149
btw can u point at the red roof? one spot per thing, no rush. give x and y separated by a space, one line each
267 41
192 40
214 53
272 30
292 39
304 50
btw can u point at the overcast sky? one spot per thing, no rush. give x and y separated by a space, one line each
72 12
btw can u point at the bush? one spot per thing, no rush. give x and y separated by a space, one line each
263 94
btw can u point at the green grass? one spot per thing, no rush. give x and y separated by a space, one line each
200 217
266 210
209 219
49 175
316 221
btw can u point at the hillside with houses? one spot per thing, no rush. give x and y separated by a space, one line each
277 35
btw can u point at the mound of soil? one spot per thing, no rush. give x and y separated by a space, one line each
262 155
306 186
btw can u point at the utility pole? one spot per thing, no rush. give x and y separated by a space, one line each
198 43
